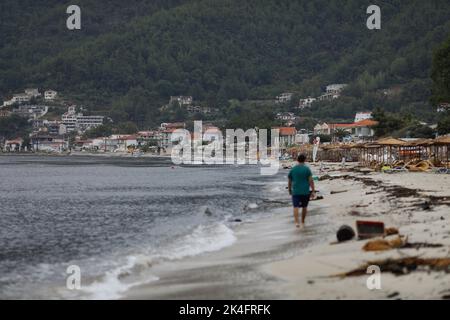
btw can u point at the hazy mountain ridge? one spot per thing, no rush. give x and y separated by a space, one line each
217 50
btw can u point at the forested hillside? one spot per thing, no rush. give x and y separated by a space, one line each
130 56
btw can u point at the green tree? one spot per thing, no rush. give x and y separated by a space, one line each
444 124
440 73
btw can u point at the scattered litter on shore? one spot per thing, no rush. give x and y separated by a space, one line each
397 243
345 233
369 229
402 266
338 191
391 231
382 244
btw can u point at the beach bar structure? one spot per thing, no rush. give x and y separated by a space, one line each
336 152
386 150
441 150
390 150
418 149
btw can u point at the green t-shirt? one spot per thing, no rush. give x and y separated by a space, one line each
299 176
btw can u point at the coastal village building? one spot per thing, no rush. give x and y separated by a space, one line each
364 129
182 100
288 118
50 95
443 107
48 143
358 130
306 103
166 137
34 93
74 121
5 113
284 97
333 91
88 122
69 119
212 133
21 98
287 136
302 138
13 145
360 116
172 125
198 109
31 111
335 88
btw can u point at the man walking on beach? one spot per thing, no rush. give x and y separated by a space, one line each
300 180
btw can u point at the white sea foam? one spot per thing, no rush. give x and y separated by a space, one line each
117 281
203 239
112 285
252 206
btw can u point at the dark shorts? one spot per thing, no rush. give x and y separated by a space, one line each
300 201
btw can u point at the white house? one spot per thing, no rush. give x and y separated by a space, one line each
32 92
360 129
182 100
88 122
360 116
126 141
48 143
287 136
301 138
286 116
20 98
13 145
74 121
323 128
336 88
333 91
442 107
284 97
50 95
306 103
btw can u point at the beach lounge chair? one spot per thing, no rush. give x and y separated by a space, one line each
442 171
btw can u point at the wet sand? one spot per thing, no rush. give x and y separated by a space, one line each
270 259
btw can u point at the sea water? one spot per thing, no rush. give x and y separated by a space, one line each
115 217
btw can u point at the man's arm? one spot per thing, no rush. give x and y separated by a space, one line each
290 185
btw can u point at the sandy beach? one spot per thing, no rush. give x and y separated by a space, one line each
270 259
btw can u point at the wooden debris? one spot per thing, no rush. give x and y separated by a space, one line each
382 244
403 266
390 231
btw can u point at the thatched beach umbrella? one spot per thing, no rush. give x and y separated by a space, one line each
441 150
389 144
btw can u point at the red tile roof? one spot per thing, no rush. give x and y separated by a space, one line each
362 123
287 131
366 123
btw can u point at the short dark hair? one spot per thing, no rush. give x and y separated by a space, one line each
301 158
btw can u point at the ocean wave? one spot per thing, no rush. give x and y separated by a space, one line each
203 239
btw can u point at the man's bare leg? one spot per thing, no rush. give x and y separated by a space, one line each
304 212
297 223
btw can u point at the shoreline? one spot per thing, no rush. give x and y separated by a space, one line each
82 154
272 260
